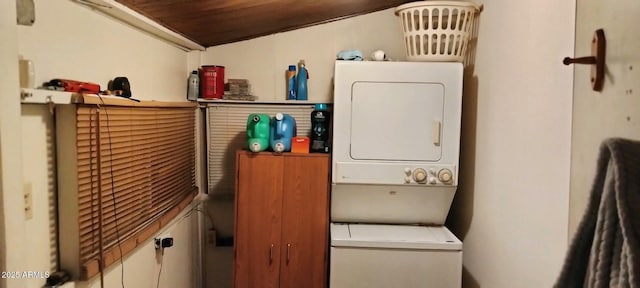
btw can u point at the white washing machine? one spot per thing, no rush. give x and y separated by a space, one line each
402 256
396 141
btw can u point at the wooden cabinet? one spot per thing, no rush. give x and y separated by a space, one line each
281 220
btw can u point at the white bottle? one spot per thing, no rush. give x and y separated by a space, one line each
194 85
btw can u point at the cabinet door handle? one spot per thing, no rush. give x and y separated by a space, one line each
271 253
288 252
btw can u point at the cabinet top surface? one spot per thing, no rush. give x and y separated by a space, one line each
286 154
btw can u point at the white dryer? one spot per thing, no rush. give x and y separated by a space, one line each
396 141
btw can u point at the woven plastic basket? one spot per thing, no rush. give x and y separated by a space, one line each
437 31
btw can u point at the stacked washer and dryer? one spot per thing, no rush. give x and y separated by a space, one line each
396 142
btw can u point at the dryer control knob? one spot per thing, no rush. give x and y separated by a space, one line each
407 171
419 175
444 175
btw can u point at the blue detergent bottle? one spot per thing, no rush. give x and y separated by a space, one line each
291 82
283 129
301 81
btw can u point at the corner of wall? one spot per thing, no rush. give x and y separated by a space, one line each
194 59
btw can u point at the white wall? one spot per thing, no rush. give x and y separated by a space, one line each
263 61
512 207
12 231
38 158
141 269
71 41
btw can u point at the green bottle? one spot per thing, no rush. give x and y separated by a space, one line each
258 132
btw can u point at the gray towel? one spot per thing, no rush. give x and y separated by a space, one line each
605 251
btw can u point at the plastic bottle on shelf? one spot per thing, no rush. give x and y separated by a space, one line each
320 121
258 129
283 129
301 81
291 82
193 88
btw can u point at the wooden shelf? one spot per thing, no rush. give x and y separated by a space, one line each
286 102
120 101
43 96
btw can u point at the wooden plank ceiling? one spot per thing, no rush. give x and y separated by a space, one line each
215 22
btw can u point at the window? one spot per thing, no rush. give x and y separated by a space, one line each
226 130
125 169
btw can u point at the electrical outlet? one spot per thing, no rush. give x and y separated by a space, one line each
156 242
28 201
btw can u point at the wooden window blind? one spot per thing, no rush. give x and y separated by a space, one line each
124 173
226 132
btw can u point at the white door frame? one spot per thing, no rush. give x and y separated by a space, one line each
12 217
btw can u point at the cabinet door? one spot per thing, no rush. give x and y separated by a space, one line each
305 221
258 222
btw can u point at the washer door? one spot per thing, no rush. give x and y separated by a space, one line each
396 121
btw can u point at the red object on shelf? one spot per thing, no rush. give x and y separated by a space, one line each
75 86
300 145
212 82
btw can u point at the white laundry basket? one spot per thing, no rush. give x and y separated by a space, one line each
437 30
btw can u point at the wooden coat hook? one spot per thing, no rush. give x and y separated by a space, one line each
597 59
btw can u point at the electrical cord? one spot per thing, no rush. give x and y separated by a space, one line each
100 244
160 271
185 216
91 159
193 210
113 191
206 213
